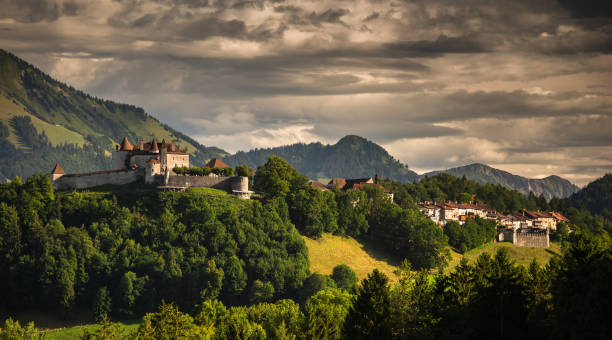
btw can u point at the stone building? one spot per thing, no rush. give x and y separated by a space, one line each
167 154
151 163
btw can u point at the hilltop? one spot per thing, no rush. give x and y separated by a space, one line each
551 186
351 157
43 121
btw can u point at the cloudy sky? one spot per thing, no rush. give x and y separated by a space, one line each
522 85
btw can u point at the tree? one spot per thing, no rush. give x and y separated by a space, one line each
12 330
314 212
261 292
369 316
107 330
325 313
102 304
580 287
242 170
412 303
278 178
344 277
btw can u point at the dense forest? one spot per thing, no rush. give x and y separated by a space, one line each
241 271
493 298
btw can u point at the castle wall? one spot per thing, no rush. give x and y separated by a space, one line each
173 160
93 179
217 182
140 160
531 238
119 159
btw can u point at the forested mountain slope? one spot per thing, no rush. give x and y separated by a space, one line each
351 157
551 186
43 121
596 196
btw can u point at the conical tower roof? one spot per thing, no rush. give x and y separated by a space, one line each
57 170
125 145
154 148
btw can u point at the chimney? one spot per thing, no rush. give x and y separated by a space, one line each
376 179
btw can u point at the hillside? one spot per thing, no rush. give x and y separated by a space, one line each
596 196
551 186
43 121
351 157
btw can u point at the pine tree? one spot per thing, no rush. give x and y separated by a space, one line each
369 316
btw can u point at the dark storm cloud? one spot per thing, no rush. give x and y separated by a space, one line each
333 16
371 17
441 45
588 8
442 81
32 11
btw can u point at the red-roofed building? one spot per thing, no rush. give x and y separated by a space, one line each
318 185
57 172
541 219
217 163
137 156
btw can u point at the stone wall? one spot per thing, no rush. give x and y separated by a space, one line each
217 182
93 179
531 238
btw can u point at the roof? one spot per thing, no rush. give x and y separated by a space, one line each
125 145
336 183
154 147
558 216
153 160
57 170
537 214
317 185
217 163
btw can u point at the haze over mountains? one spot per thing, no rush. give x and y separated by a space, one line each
45 121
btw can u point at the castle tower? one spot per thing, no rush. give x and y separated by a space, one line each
154 147
57 172
121 154
153 169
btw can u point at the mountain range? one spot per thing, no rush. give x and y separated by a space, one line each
355 157
43 121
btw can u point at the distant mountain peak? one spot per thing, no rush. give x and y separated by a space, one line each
551 186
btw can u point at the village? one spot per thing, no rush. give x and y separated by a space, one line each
529 228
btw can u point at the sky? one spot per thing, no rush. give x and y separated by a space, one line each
523 85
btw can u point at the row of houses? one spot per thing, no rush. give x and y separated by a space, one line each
441 213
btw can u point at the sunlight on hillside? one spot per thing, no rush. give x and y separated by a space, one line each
57 134
331 250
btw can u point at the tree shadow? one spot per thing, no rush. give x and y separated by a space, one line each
378 251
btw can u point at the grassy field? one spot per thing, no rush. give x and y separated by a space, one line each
211 191
74 333
331 250
56 134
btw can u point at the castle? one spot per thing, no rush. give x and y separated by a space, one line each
152 163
